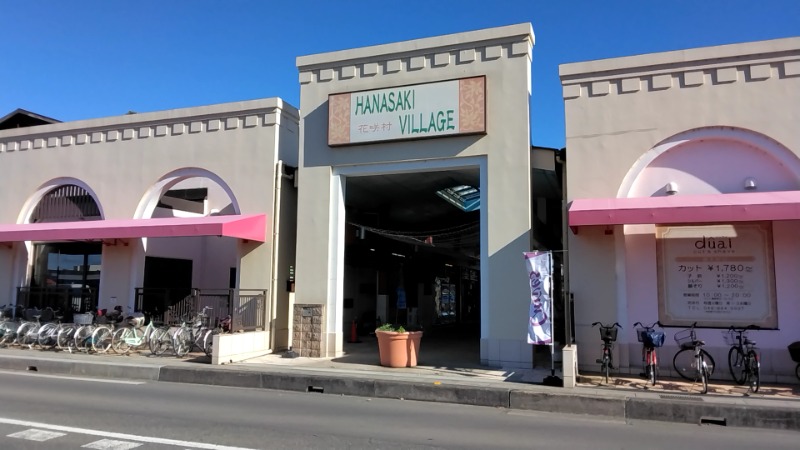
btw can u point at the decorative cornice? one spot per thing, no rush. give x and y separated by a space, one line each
738 63
682 79
162 124
514 41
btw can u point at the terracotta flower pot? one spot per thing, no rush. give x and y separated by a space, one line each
398 349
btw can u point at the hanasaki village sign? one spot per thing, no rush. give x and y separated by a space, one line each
716 275
408 112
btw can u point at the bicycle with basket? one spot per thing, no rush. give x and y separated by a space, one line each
608 334
651 339
692 362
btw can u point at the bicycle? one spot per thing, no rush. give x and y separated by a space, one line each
8 326
28 332
161 338
135 335
743 360
48 333
608 334
692 358
651 339
95 336
66 339
197 334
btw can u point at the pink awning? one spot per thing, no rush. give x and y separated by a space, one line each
739 207
250 227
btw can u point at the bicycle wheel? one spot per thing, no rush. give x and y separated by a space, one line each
101 339
684 364
8 333
653 367
64 340
208 344
736 364
83 338
119 340
606 366
710 364
182 342
754 371
160 341
46 337
703 372
30 336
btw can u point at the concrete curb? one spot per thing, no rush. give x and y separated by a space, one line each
568 403
702 412
80 368
697 410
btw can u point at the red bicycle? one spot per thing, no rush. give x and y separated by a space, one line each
651 339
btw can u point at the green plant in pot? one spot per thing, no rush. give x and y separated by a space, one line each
398 346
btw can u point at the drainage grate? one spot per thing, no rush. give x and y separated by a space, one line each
681 397
721 421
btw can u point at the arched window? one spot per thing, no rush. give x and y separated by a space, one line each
65 204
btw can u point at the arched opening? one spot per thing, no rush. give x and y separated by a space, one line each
184 274
64 276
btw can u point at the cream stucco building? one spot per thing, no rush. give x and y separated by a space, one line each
683 182
490 68
98 212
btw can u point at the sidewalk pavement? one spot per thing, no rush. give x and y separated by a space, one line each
624 398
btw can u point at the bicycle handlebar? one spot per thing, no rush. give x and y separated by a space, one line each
649 327
608 326
741 330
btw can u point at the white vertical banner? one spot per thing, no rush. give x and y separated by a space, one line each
540 271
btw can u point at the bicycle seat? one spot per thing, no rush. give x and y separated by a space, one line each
749 342
37 316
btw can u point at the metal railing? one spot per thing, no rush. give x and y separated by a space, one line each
249 310
248 307
63 298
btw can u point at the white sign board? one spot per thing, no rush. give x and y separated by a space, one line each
408 112
716 275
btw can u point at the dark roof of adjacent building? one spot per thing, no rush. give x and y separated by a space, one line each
21 118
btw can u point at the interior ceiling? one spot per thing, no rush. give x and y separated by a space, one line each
407 203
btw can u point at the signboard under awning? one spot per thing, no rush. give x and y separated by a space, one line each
716 275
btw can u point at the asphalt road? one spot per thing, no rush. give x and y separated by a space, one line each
67 413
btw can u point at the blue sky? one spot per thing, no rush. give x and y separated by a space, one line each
74 60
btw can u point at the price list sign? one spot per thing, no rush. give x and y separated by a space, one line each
716 275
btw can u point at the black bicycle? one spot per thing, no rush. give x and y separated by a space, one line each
743 360
651 339
608 334
692 362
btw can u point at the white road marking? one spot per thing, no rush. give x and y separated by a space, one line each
36 435
127 437
65 377
110 444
